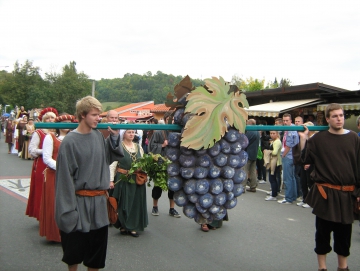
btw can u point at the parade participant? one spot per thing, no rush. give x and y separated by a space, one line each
47 225
130 196
20 136
37 178
111 117
9 134
157 145
337 184
22 112
15 139
82 179
27 132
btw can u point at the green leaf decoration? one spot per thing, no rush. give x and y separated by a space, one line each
213 105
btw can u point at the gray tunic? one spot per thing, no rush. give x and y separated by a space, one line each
83 163
156 141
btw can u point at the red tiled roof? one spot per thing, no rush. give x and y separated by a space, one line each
134 106
160 108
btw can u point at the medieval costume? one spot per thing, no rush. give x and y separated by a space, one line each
132 210
9 134
47 225
75 151
27 132
37 177
20 127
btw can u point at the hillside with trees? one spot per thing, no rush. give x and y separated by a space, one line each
138 88
25 86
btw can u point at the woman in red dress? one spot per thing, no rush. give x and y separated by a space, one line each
48 227
37 178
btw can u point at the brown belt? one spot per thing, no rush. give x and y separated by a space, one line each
122 171
90 193
346 188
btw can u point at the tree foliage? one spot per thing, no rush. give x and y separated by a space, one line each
248 84
138 88
284 82
251 84
16 89
25 86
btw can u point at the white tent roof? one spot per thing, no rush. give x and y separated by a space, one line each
273 109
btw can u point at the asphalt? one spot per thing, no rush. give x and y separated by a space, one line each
259 235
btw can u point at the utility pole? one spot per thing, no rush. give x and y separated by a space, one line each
93 89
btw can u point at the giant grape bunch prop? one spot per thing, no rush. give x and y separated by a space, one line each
206 171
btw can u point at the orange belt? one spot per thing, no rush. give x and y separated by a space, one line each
90 193
346 188
122 171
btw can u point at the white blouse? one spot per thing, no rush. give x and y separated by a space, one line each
48 148
34 146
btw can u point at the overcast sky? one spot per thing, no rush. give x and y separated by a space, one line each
304 41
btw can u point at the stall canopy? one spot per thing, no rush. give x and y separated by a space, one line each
273 109
346 106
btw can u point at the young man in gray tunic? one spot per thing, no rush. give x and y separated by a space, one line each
82 177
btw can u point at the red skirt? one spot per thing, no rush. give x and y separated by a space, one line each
36 187
48 227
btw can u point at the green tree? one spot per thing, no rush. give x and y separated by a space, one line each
248 84
271 85
284 82
17 88
66 88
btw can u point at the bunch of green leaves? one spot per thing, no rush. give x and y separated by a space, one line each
154 165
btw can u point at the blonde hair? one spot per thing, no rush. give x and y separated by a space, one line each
48 115
84 105
277 133
309 123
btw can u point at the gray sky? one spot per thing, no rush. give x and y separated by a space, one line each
305 41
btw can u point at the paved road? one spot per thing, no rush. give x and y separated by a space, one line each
260 235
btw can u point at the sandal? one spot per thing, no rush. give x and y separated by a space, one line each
204 227
133 233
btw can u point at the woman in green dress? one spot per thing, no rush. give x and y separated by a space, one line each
132 210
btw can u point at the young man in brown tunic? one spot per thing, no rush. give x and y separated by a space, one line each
336 156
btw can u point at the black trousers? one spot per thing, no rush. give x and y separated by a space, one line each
342 237
87 247
157 191
261 170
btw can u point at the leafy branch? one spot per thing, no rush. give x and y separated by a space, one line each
154 165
